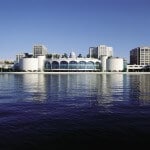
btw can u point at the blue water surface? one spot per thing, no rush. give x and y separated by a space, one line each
40 111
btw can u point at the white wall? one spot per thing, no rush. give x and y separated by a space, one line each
103 59
114 64
29 64
41 60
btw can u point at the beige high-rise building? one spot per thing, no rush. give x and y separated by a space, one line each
99 51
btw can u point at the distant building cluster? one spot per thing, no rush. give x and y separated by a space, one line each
99 59
41 61
6 65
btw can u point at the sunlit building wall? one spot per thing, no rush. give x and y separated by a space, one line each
103 60
41 63
97 52
28 64
105 50
115 64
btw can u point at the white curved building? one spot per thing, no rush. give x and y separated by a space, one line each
114 64
103 60
72 64
41 63
28 64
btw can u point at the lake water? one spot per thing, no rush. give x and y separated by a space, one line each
40 111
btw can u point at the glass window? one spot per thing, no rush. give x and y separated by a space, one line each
82 65
63 65
73 65
90 65
55 65
47 65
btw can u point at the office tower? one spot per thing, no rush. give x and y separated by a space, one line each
140 56
19 56
99 51
39 50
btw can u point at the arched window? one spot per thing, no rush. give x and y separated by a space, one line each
97 65
82 65
63 65
47 65
73 65
55 65
90 65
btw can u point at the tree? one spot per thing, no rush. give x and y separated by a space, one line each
88 56
49 56
64 55
57 56
80 56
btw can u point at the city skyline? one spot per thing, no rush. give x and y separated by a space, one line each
73 25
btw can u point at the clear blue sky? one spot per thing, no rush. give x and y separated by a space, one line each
73 25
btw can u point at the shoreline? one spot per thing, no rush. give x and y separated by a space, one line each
134 73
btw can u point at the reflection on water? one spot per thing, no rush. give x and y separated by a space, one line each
140 89
76 89
144 89
111 89
40 109
34 87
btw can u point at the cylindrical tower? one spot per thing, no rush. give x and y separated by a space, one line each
28 64
103 60
115 64
41 60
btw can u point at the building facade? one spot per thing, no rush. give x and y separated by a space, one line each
28 64
99 51
72 64
39 50
55 62
19 57
41 63
140 56
100 60
93 52
115 64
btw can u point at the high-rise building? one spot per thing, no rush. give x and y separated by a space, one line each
101 50
19 56
140 56
93 52
39 50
